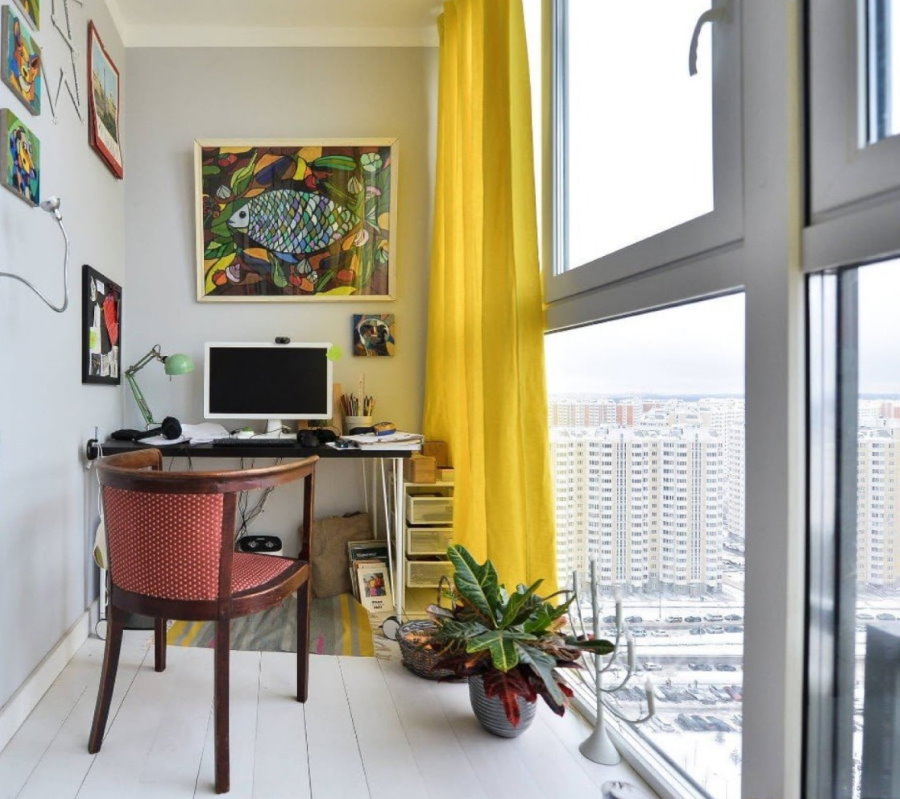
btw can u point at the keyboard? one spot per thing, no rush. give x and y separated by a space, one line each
257 441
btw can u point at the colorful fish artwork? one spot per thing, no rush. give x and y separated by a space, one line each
21 158
294 220
20 61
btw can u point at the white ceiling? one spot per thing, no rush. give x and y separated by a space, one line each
276 23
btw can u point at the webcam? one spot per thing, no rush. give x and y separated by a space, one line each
282 340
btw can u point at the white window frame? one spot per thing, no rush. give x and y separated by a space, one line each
705 234
854 187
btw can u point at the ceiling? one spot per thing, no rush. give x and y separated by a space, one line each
276 23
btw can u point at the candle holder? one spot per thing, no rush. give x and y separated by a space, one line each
598 747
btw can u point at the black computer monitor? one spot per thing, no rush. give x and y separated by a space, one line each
247 380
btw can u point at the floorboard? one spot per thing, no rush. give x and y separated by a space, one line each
369 729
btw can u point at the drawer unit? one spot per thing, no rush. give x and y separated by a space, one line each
429 509
428 540
427 573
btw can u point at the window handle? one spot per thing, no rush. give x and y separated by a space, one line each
710 15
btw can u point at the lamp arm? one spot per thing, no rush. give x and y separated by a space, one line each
65 303
139 397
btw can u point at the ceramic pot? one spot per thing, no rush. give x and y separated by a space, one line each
490 713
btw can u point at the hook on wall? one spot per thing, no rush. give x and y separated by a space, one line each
51 206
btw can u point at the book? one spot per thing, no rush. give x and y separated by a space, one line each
374 586
367 550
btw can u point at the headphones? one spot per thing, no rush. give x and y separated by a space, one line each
170 428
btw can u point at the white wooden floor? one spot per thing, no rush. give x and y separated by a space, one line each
369 729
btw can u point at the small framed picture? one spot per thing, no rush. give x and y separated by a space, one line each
103 104
20 60
32 11
101 329
374 335
21 158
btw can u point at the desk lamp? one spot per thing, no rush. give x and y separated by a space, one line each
175 364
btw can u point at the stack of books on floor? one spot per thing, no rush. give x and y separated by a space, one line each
370 575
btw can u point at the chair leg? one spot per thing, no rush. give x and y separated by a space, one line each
107 677
159 644
303 607
220 705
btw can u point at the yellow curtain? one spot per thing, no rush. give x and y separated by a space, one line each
485 388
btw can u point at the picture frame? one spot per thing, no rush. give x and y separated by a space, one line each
288 220
374 335
21 66
101 328
104 128
32 11
21 158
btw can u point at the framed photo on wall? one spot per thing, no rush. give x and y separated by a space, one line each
20 60
291 220
21 158
101 328
103 104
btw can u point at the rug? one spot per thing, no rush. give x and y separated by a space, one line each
339 625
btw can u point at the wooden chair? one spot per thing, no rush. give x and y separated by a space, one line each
171 556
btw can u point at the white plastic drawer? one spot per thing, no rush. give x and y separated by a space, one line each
427 573
428 540
429 510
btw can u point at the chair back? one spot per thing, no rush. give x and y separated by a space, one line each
170 535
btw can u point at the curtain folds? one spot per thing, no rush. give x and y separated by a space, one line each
485 388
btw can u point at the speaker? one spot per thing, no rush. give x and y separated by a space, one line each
170 428
260 544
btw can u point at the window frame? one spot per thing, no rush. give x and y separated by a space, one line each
703 235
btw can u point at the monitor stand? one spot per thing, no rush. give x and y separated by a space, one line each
275 429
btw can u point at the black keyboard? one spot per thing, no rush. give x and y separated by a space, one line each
254 442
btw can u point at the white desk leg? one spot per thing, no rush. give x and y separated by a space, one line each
399 576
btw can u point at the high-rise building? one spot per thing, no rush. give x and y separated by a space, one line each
877 520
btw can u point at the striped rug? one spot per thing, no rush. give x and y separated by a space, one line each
339 625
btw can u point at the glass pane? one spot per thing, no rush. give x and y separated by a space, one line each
876 725
884 68
639 128
647 444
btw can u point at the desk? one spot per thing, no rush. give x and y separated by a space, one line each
393 515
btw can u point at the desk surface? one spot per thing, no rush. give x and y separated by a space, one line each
186 450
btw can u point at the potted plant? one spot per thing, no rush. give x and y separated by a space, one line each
509 645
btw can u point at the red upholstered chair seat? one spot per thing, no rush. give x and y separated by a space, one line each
249 570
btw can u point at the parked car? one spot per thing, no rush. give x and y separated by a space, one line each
713 617
660 633
700 722
696 631
718 724
734 628
699 667
864 616
674 619
639 632
665 726
725 667
692 619
685 722
715 628
633 619
734 617
735 692
609 619
648 666
886 616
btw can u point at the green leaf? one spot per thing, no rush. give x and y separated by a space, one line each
211 169
599 646
502 646
540 620
218 248
342 162
542 664
278 277
477 584
241 178
516 602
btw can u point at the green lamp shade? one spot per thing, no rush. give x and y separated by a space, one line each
179 364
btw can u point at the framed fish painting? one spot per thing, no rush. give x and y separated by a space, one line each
291 220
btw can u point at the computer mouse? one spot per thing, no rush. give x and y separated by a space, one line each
244 434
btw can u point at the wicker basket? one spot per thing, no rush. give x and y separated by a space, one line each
418 658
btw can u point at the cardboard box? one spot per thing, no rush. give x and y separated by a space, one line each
445 474
419 469
437 450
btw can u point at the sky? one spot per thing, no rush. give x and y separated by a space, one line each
698 348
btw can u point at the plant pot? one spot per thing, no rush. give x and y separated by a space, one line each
490 713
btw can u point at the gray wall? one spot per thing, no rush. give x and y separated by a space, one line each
178 95
48 507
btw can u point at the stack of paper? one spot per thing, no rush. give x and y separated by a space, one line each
398 440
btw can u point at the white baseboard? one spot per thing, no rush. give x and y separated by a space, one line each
25 699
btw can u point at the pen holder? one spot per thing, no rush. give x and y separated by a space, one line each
356 421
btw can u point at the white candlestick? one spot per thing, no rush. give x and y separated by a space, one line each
618 613
651 698
630 641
